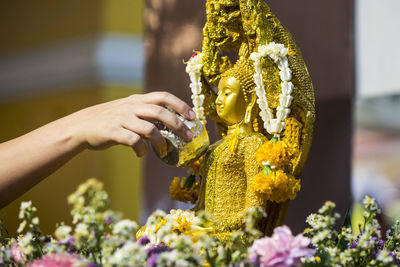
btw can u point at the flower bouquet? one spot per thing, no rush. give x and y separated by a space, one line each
99 236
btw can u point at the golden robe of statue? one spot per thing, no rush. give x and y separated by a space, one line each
230 167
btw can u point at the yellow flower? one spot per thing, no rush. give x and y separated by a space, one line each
184 226
261 185
277 187
179 193
277 154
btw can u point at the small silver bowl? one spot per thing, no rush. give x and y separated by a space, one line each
179 152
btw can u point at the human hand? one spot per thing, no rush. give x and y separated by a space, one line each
128 121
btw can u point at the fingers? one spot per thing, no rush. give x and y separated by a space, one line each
171 101
140 148
129 138
149 131
155 112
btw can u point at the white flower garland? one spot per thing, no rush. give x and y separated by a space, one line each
278 53
193 68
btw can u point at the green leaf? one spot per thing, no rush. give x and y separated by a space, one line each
347 220
189 182
266 170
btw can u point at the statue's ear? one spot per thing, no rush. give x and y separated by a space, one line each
247 116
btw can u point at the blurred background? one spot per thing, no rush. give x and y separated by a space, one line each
59 56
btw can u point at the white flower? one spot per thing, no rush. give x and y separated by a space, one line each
258 80
287 87
21 227
263 50
384 256
35 221
263 106
199 112
282 113
197 100
125 228
285 100
196 87
283 52
24 243
195 76
82 229
24 205
131 254
276 126
285 74
266 115
283 63
62 232
255 56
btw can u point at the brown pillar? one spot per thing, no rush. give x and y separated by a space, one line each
323 31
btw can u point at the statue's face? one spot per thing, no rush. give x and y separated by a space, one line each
231 106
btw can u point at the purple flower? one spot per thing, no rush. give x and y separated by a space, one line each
71 240
282 249
144 241
396 259
379 243
109 220
157 249
353 244
153 253
71 249
152 260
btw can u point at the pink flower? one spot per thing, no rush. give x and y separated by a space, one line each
281 250
61 260
16 253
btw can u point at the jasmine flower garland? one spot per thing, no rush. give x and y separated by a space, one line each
278 53
193 68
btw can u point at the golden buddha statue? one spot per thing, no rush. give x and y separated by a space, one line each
233 165
264 110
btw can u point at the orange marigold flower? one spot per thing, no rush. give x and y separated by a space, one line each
277 154
278 186
261 185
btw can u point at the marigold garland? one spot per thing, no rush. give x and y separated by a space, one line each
177 190
275 154
278 186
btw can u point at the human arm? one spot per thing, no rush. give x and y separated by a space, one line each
28 159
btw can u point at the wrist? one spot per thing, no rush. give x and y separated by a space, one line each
70 135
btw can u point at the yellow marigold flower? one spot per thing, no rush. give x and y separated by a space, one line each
261 185
278 186
179 193
276 154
